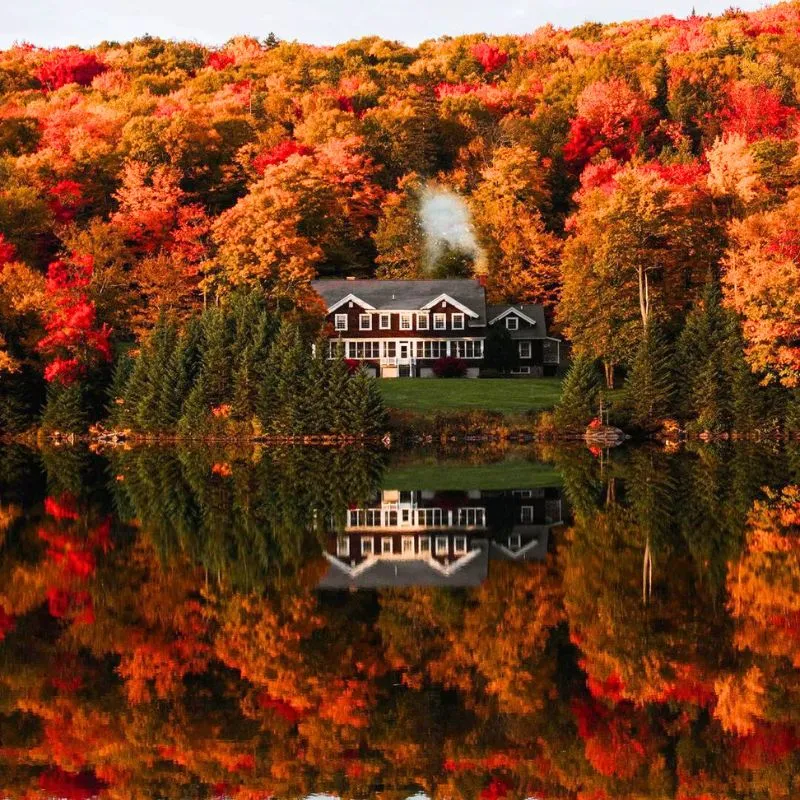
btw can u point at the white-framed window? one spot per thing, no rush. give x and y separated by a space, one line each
335 347
439 322
442 545
514 542
342 545
340 322
526 515
512 323
422 321
460 545
405 322
524 349
390 349
467 348
366 546
364 349
521 371
425 544
408 545
365 322
386 544
522 492
431 349
457 322
385 322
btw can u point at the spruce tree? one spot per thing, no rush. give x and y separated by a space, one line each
179 376
159 353
650 386
65 409
579 394
336 383
365 412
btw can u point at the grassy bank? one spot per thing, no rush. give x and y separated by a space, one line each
507 396
514 473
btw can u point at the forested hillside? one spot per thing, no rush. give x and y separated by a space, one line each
640 179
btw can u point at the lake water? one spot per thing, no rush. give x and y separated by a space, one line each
474 624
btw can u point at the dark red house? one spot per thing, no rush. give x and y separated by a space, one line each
401 328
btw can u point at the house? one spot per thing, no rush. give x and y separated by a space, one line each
401 328
429 538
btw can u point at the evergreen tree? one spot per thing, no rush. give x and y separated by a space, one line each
650 385
118 388
579 394
365 410
285 381
179 376
337 380
65 409
499 350
716 390
216 362
157 358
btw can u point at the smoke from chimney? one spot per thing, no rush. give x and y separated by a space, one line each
446 221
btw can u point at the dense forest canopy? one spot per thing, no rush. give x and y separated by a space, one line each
154 175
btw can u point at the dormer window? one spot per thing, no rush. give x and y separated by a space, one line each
439 322
512 323
340 323
365 322
457 321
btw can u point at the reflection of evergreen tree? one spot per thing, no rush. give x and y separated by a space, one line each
246 521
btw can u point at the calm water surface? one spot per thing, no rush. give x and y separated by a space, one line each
559 623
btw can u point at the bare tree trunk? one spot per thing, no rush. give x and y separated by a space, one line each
608 368
644 295
647 573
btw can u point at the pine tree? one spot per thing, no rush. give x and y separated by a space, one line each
365 410
117 389
336 381
216 363
280 401
579 394
650 386
65 409
158 355
179 376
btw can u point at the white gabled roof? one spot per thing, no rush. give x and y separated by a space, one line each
351 298
446 297
512 310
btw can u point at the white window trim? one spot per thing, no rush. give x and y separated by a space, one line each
387 547
509 326
343 545
526 511
525 345
367 551
362 318
457 318
423 321
340 318
460 545
440 318
514 542
406 318
407 545
387 318
442 551
424 544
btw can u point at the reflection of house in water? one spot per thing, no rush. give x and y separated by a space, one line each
427 538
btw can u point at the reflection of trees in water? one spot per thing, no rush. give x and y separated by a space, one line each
241 516
549 679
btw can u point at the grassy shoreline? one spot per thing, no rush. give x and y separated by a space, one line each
507 396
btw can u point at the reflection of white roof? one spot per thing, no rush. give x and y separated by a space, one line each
378 571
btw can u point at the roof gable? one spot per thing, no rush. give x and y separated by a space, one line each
453 302
516 312
351 298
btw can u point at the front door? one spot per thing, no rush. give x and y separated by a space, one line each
404 351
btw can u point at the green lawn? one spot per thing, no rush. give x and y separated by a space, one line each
450 475
509 395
